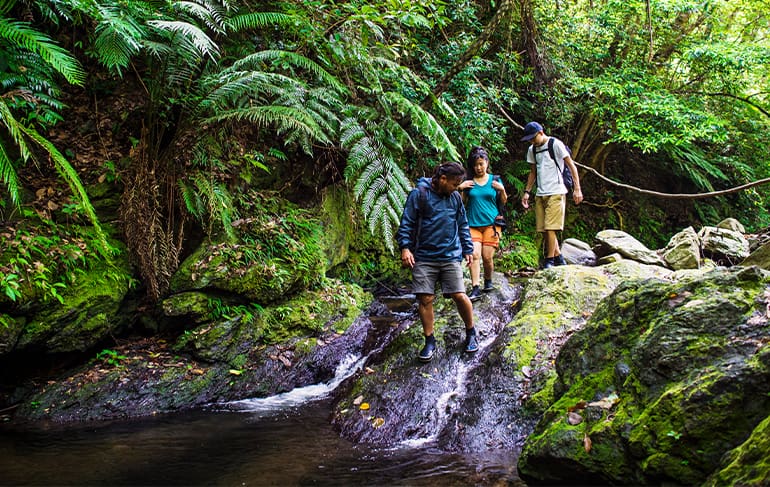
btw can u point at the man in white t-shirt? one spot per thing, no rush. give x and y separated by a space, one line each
550 199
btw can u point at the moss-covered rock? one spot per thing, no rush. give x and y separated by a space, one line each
749 464
661 382
277 253
246 353
89 311
555 304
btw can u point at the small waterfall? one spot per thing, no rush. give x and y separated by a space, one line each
450 400
300 395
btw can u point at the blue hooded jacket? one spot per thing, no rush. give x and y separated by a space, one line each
436 228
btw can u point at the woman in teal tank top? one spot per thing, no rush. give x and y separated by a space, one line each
480 195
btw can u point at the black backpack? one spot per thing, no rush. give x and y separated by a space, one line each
566 174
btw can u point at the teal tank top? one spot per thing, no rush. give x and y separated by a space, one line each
481 205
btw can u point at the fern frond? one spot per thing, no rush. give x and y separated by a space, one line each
210 13
287 119
202 42
8 176
691 163
258 58
379 184
117 38
260 20
22 35
424 122
15 130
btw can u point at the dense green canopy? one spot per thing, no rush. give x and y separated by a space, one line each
669 94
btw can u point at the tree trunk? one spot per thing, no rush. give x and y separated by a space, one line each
531 39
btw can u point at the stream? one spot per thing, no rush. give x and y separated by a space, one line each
281 440
289 439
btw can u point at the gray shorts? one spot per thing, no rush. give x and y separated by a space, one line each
426 274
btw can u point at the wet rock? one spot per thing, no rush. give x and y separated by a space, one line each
456 395
221 360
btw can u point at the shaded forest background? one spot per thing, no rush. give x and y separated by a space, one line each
176 110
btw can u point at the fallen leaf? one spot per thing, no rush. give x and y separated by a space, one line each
235 372
196 371
580 405
607 402
358 400
364 406
377 422
587 444
368 371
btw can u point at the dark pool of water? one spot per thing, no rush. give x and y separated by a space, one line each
290 447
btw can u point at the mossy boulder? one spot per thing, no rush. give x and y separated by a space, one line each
555 304
328 309
223 360
663 380
749 464
275 252
89 311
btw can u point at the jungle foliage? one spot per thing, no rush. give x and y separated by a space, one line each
673 90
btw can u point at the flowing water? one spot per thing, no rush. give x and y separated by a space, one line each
282 440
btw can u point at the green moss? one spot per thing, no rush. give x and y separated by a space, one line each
748 464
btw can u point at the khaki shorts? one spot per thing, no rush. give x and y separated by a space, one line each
549 212
489 236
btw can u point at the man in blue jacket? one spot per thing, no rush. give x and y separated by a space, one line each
434 239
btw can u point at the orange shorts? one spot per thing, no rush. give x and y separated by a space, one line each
488 236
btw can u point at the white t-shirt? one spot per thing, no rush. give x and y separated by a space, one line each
549 179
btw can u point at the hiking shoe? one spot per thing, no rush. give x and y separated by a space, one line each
475 294
549 262
488 286
471 341
427 351
559 260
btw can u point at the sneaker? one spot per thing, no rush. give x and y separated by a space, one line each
549 262
471 341
559 260
488 286
427 351
475 294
